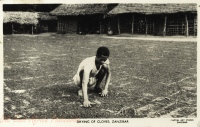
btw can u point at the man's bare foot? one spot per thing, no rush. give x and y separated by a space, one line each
80 93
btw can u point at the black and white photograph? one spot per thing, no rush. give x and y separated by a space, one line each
109 62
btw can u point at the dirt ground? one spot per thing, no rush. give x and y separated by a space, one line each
150 78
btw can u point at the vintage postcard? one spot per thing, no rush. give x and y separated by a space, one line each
116 63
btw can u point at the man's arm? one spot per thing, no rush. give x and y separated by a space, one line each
86 102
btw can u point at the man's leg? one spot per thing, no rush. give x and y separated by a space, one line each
81 78
99 78
80 92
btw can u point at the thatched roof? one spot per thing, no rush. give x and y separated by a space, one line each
79 9
46 16
153 8
20 17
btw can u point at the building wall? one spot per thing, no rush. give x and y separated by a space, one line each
16 28
67 25
154 24
135 23
176 24
92 24
47 26
7 28
86 24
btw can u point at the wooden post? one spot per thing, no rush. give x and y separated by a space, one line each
195 17
164 30
146 27
118 25
177 28
64 23
77 24
12 29
32 29
57 26
153 29
61 24
132 24
99 25
186 28
65 26
182 31
194 27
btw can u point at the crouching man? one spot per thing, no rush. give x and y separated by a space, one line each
91 71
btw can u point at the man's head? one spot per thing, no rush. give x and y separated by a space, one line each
102 54
103 51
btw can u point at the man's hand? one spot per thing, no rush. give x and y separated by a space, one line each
87 103
104 93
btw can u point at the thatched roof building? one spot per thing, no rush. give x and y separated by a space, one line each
26 17
79 9
155 19
46 16
81 18
24 22
153 8
20 17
